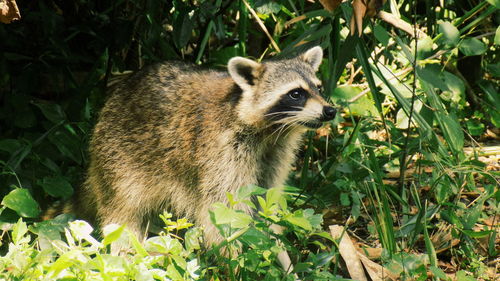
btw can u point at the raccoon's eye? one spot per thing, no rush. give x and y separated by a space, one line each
296 94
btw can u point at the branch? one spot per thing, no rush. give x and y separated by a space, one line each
399 23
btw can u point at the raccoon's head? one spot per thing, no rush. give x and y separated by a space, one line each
283 92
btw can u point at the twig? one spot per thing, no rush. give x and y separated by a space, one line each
261 24
401 24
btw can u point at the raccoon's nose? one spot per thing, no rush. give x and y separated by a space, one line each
328 113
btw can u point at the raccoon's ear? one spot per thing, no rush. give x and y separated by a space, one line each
243 71
313 56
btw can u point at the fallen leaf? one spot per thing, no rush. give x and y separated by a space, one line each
348 253
361 9
358 12
9 11
330 5
357 263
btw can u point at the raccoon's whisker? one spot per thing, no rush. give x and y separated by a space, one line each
282 112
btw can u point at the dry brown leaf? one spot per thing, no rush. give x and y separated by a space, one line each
348 253
362 8
9 11
373 253
358 12
330 5
376 271
356 261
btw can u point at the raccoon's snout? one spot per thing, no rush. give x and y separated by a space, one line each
328 113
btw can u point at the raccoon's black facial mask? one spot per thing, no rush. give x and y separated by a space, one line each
291 102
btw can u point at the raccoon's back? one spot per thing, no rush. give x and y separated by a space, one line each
158 120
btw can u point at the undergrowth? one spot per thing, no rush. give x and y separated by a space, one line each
410 167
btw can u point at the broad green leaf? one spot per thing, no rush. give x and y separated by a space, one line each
494 69
381 34
68 144
56 186
82 230
462 276
438 272
495 3
424 47
21 201
163 245
192 238
299 221
267 7
112 233
475 127
224 215
402 118
173 273
363 106
305 219
10 145
18 231
52 111
273 196
452 131
245 192
450 34
472 215
136 244
455 87
183 27
254 237
472 47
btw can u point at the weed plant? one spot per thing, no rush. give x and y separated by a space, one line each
410 166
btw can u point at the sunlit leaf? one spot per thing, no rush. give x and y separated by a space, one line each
472 47
56 186
21 201
450 34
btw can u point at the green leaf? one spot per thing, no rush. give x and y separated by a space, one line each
18 231
68 143
363 106
51 111
164 245
10 145
472 47
402 118
273 196
452 131
477 234
462 276
245 192
450 34
305 219
455 87
495 3
494 69
112 233
474 127
438 272
183 27
56 186
267 7
192 238
381 34
497 36
224 215
20 200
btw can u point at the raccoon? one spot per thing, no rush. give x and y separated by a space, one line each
178 138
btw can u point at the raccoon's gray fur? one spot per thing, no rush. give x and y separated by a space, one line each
175 137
